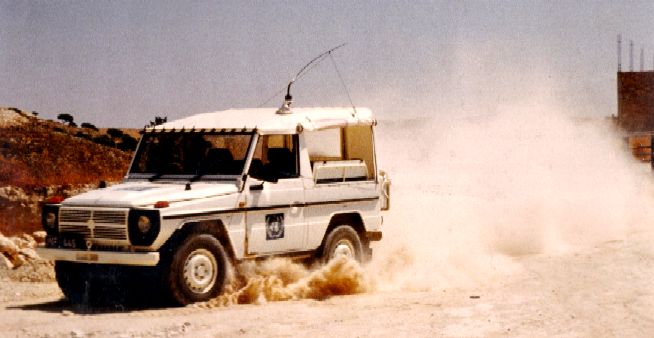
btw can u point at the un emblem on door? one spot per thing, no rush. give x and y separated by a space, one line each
274 226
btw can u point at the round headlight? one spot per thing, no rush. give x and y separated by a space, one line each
51 220
144 224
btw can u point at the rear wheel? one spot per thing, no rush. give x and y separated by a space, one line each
197 271
342 241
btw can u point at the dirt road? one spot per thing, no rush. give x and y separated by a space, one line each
601 291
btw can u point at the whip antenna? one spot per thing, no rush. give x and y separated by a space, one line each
344 86
288 99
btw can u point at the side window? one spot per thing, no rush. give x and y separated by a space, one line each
325 145
341 154
275 157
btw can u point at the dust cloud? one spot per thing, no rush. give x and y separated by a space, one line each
281 279
470 194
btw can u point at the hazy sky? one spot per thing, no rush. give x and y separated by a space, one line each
120 63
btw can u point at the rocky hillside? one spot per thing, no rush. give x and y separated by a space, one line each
40 159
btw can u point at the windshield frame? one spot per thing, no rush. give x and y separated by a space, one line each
141 147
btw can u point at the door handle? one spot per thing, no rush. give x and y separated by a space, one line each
257 187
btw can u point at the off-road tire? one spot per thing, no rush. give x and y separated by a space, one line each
92 284
198 252
341 238
72 282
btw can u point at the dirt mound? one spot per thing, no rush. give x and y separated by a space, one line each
37 154
40 159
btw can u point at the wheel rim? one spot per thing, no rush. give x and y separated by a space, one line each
200 270
344 248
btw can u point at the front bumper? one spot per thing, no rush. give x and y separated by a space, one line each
100 257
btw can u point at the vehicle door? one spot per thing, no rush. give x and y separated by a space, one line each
275 202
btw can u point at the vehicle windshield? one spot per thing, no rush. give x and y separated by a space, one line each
191 155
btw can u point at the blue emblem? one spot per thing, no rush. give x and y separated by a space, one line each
274 226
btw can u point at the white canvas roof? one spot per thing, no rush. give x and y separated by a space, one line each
268 121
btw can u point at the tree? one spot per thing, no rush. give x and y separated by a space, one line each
127 143
104 140
89 126
65 118
115 133
83 135
73 124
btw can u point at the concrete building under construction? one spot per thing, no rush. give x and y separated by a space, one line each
636 101
636 104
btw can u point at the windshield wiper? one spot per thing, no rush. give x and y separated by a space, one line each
196 177
155 176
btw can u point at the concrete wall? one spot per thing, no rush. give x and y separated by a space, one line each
636 101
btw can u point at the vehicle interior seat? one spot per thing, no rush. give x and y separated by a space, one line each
218 161
281 163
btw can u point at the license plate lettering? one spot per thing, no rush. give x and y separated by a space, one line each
68 243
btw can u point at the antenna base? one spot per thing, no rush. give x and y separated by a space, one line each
286 106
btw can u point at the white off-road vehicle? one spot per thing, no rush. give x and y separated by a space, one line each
211 190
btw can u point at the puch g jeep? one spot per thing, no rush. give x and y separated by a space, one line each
218 188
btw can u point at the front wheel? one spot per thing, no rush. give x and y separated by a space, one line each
342 241
73 282
85 284
198 270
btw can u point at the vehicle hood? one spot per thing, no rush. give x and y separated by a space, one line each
144 194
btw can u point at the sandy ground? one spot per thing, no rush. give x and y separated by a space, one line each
601 291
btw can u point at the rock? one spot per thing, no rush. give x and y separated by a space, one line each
20 242
6 243
6 262
11 117
31 242
13 194
10 250
76 333
29 253
39 236
66 313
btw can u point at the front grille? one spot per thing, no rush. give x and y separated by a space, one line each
109 232
94 224
74 216
110 217
76 229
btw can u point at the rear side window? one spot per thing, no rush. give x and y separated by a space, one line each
341 154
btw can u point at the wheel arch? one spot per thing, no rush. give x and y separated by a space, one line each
352 219
215 228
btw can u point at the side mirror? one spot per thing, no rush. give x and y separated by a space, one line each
256 187
385 191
